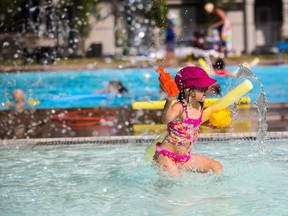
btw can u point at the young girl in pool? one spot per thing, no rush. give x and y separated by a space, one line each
183 120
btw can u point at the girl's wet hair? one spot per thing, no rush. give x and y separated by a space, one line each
219 64
181 96
216 88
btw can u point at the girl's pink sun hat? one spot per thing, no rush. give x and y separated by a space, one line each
193 76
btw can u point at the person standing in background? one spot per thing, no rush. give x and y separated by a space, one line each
170 40
223 26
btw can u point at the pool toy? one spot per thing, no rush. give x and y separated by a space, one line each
139 129
247 65
243 101
86 96
220 118
33 102
148 155
205 66
231 97
103 96
84 115
85 118
7 103
167 82
159 104
254 62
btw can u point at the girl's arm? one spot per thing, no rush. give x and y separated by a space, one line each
101 91
171 111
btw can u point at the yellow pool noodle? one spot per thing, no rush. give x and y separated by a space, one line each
247 65
160 103
254 62
231 97
204 65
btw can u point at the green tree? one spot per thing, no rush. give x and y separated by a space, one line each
77 13
156 11
12 15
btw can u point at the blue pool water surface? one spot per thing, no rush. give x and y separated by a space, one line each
115 180
51 87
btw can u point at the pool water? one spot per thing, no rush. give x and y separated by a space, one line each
115 180
142 83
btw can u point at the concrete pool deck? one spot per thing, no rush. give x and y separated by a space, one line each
130 62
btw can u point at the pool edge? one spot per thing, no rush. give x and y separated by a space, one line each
113 140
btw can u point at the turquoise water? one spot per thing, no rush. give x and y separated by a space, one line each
143 85
115 180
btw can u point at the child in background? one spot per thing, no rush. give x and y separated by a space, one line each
19 100
183 120
115 88
219 68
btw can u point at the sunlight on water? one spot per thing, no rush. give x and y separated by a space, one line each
115 180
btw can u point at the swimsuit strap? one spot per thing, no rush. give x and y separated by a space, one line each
187 116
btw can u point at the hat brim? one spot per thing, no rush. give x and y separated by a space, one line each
206 83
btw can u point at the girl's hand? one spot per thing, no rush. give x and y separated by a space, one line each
162 92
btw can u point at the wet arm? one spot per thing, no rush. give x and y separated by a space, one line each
102 91
171 111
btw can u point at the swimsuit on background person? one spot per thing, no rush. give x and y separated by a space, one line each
170 39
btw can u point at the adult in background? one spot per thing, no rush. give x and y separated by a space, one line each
223 26
170 41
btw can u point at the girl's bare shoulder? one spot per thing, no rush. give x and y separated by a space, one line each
178 107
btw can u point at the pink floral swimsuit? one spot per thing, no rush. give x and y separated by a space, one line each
182 133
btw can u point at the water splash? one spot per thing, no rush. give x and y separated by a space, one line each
261 102
152 54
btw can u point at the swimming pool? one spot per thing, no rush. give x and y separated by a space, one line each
142 83
113 179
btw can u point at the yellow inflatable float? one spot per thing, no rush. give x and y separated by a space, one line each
231 97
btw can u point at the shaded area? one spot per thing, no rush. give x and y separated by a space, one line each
39 124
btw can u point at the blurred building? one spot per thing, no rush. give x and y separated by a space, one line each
257 25
40 32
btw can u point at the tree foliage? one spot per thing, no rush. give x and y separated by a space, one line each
12 14
77 13
156 11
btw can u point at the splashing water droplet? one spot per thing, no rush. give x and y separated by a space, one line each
261 102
